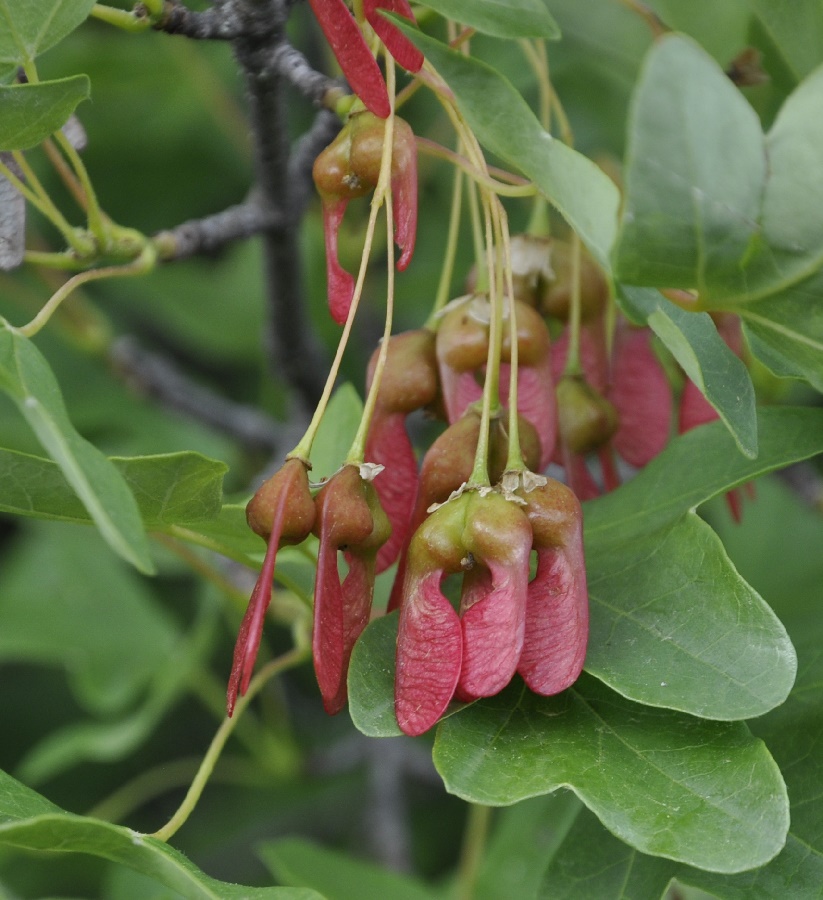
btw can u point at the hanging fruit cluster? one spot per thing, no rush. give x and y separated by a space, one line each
532 368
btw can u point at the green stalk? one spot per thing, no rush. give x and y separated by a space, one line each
491 387
303 449
120 18
144 263
514 459
97 222
446 273
516 188
382 196
573 366
38 197
481 281
472 852
275 667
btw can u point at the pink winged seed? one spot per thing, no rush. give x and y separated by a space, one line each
388 444
350 48
640 391
251 628
400 47
340 282
429 655
493 629
557 621
328 639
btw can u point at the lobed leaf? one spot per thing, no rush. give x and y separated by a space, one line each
674 625
29 113
786 332
593 863
796 27
501 18
27 378
707 794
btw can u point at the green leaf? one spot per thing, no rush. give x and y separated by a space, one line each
722 29
504 124
674 625
30 822
694 342
68 603
371 679
109 740
703 793
695 171
696 466
501 18
336 432
27 378
31 27
29 113
525 837
796 27
786 332
337 876
593 863
710 203
169 488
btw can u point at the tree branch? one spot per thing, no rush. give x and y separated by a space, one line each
292 346
158 377
212 233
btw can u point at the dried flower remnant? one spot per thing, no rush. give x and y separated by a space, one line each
281 512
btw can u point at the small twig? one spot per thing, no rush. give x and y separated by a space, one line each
223 22
159 378
289 62
212 233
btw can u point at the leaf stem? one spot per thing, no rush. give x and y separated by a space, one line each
121 18
491 387
474 844
275 667
98 223
144 263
